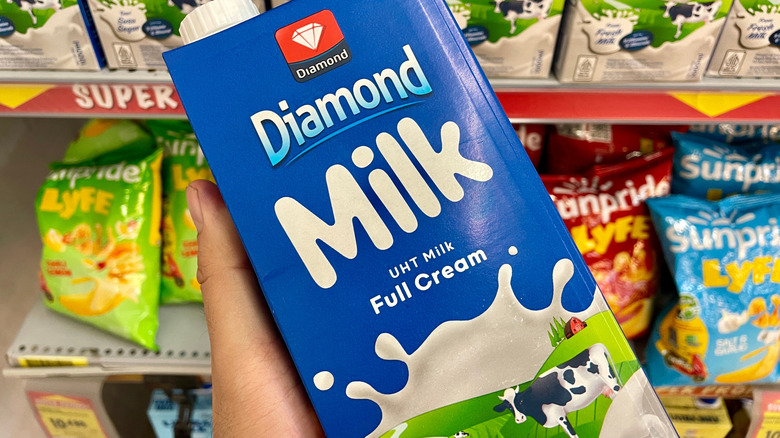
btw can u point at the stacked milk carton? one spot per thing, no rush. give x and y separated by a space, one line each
46 34
750 43
613 41
511 39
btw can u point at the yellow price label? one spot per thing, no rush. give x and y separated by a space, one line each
52 361
66 417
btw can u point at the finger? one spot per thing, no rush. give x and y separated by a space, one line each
251 368
234 310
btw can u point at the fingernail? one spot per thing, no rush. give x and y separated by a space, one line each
193 201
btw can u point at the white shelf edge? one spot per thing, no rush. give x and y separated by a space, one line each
103 76
182 339
707 84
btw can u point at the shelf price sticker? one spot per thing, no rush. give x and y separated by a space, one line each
66 417
766 414
52 361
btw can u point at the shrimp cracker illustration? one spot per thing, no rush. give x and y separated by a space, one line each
724 256
101 254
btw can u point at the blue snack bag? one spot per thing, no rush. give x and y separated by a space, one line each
711 170
416 267
737 134
725 259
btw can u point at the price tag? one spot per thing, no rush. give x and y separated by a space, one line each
53 361
766 414
66 417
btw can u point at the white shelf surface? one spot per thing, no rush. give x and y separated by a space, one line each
103 76
45 334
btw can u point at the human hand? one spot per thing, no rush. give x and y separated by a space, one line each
256 389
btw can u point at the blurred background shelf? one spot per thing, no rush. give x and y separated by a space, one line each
49 344
150 94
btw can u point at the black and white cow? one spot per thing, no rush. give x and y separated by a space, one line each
681 13
513 10
186 6
461 434
29 5
566 388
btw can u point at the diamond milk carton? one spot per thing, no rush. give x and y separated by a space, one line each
749 45
47 35
417 269
638 41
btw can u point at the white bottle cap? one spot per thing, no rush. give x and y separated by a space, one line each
215 16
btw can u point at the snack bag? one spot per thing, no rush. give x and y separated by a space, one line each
574 148
708 169
605 214
724 258
183 163
108 141
100 226
735 134
533 138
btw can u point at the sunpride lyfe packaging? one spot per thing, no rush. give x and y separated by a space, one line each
414 263
749 45
724 258
735 133
183 163
511 39
47 35
614 41
100 226
533 138
576 147
606 215
708 169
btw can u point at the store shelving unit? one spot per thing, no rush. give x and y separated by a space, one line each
52 345
137 94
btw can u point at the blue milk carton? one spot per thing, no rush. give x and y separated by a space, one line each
419 274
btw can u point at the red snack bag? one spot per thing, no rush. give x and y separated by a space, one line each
533 139
605 213
574 148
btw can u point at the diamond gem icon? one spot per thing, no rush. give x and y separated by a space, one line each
308 35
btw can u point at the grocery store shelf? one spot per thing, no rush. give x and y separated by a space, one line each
117 94
143 94
51 344
708 101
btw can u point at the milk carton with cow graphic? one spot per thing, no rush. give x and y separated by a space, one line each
419 274
135 33
749 45
638 40
510 38
47 35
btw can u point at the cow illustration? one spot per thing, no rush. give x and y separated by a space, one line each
569 387
30 5
461 434
514 10
186 6
681 13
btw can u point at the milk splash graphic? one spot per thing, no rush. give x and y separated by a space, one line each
492 342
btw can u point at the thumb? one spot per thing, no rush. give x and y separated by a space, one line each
256 389
231 294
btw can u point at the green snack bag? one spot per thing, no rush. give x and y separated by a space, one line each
100 226
183 163
107 141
